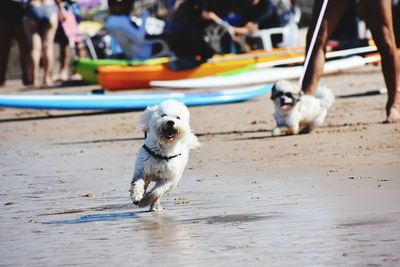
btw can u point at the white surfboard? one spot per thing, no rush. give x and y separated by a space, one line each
265 75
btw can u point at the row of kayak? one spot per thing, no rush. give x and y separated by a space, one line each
87 68
125 74
116 74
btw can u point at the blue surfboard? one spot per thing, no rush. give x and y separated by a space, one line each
136 101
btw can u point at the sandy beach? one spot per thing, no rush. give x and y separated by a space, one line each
331 197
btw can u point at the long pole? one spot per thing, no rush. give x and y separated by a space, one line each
313 39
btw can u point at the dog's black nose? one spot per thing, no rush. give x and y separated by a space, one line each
170 123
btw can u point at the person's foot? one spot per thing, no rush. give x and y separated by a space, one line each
76 77
36 84
393 115
63 76
47 82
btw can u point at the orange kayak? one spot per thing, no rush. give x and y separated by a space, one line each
134 77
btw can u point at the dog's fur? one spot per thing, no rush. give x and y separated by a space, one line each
297 113
162 159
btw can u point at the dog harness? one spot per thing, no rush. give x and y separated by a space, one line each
158 156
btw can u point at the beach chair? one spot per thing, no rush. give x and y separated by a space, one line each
289 34
71 30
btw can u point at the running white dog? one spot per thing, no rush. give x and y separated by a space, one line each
298 113
164 155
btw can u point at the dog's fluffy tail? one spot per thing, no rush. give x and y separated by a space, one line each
326 96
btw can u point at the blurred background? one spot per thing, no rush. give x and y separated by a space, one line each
97 43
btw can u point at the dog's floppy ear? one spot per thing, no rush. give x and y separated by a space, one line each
192 141
273 92
145 119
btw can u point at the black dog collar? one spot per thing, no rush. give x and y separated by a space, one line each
158 156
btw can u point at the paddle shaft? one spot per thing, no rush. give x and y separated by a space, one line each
313 39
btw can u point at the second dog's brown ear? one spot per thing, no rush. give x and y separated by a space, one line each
296 97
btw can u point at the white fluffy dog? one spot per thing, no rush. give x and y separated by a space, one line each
298 113
164 155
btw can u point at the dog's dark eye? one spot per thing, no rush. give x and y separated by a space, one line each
288 94
163 115
178 117
277 94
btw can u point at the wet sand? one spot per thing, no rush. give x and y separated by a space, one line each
331 197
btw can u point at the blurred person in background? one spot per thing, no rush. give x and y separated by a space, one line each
184 30
12 28
130 36
63 40
41 25
248 16
230 12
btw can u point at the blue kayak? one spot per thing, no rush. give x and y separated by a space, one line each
135 101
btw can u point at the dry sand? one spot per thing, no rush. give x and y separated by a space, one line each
331 197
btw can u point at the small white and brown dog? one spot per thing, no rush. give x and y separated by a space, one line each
164 155
297 113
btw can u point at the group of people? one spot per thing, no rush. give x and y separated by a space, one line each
35 25
187 21
189 18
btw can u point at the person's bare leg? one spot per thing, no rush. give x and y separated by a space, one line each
64 62
48 50
380 23
34 44
333 14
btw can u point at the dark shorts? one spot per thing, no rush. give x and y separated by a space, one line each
40 14
60 37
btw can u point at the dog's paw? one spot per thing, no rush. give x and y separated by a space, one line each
136 192
136 198
148 199
307 129
276 131
156 207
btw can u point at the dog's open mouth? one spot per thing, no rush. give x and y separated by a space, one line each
286 103
285 106
169 132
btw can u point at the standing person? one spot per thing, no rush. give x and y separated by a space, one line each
378 15
12 27
41 25
63 40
